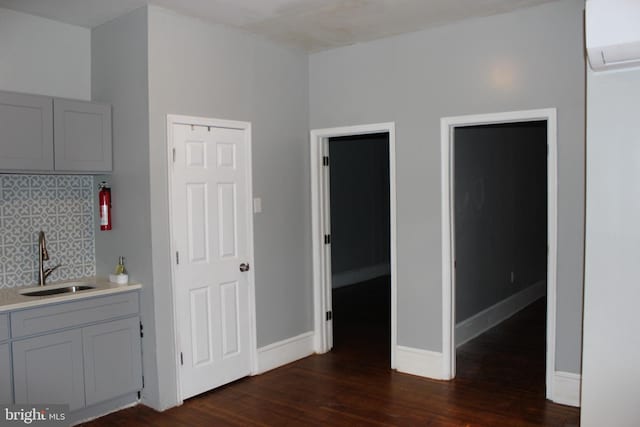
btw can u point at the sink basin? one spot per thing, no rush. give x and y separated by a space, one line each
54 291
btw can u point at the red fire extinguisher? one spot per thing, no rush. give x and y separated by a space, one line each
105 205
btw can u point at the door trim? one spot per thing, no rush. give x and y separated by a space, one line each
319 223
173 119
447 125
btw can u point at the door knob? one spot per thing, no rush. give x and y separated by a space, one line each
244 267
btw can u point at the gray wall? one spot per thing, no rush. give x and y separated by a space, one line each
44 56
201 69
611 372
500 212
527 59
359 169
119 77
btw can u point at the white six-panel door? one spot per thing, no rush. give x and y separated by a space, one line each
210 233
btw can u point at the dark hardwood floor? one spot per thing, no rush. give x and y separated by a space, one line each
500 381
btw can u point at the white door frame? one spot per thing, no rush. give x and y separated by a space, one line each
320 223
447 126
173 119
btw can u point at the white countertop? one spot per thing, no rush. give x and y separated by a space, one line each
12 299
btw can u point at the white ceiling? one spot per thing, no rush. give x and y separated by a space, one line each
312 25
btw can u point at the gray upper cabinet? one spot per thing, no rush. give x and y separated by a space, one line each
44 134
82 136
26 132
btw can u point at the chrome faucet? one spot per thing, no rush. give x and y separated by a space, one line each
43 255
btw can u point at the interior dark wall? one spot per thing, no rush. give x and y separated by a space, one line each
500 182
359 171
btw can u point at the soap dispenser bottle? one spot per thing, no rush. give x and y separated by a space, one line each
120 276
120 268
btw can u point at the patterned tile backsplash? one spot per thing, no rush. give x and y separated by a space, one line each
61 206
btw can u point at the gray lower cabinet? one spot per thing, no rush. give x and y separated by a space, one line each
48 369
79 353
112 364
26 139
6 389
6 383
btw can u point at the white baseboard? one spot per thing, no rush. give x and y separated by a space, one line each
429 364
359 275
566 388
479 323
284 352
423 363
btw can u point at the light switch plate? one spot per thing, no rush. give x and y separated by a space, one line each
257 205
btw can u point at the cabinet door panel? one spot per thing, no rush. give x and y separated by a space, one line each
4 327
82 136
48 369
112 359
26 136
6 389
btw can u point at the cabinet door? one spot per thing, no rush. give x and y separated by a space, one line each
112 359
48 369
6 389
26 136
82 136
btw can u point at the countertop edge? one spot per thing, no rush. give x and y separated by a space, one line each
12 300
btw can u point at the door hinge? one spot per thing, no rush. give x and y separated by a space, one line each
177 258
327 239
325 160
174 155
141 330
329 315
181 359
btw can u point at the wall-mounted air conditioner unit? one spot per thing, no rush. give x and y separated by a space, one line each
613 33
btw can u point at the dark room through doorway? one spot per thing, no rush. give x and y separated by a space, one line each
360 246
500 251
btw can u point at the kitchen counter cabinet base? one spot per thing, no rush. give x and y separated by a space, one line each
6 386
85 353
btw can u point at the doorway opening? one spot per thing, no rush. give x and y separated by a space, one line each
378 265
360 242
499 225
500 250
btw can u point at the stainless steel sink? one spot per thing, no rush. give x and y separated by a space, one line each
54 291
